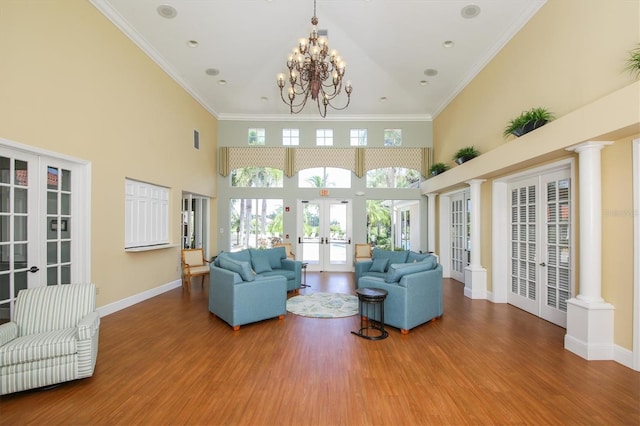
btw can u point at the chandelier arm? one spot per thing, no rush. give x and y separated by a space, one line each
296 105
341 108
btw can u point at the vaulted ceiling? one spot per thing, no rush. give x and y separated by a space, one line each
406 59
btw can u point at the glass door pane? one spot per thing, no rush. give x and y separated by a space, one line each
18 229
309 235
59 220
337 240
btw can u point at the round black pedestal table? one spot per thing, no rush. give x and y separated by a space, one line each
371 308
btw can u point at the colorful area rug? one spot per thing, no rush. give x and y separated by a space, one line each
323 305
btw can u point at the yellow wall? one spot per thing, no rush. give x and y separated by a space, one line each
569 57
72 83
617 234
571 53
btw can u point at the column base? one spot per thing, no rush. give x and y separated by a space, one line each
590 329
475 282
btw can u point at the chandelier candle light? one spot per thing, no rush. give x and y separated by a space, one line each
315 73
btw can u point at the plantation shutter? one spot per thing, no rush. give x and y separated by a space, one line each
558 244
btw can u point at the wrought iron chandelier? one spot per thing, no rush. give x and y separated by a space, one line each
314 72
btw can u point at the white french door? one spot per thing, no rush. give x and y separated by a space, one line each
541 277
39 209
460 234
324 234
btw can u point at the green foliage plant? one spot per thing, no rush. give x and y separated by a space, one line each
465 154
438 168
633 62
528 121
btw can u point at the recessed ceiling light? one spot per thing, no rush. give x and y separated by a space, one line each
470 11
383 99
212 71
192 43
222 82
448 44
431 72
264 99
423 82
167 11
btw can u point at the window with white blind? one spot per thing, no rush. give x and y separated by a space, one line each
146 214
324 137
290 137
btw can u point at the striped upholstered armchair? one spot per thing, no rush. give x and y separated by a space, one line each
53 337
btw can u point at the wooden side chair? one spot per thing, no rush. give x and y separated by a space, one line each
288 248
193 265
362 253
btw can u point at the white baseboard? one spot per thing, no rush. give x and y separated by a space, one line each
623 356
599 352
137 298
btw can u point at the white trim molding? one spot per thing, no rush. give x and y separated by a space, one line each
137 298
475 276
635 356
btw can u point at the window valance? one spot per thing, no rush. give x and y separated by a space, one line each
342 158
292 160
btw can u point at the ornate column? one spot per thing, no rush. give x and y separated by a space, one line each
475 276
431 222
589 317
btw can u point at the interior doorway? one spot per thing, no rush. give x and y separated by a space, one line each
195 221
324 234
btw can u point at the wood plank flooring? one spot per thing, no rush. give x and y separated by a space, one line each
167 361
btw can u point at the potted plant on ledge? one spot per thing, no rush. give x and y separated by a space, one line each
438 168
528 121
633 62
465 154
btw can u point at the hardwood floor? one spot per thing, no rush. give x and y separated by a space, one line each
167 361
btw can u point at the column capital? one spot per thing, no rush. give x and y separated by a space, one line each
472 182
431 194
589 145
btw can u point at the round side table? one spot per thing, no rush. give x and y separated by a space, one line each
370 303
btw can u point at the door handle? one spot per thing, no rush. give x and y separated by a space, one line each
543 264
299 240
321 240
34 269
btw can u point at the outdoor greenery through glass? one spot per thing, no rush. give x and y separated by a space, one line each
255 223
257 137
324 177
392 137
393 177
388 224
257 177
